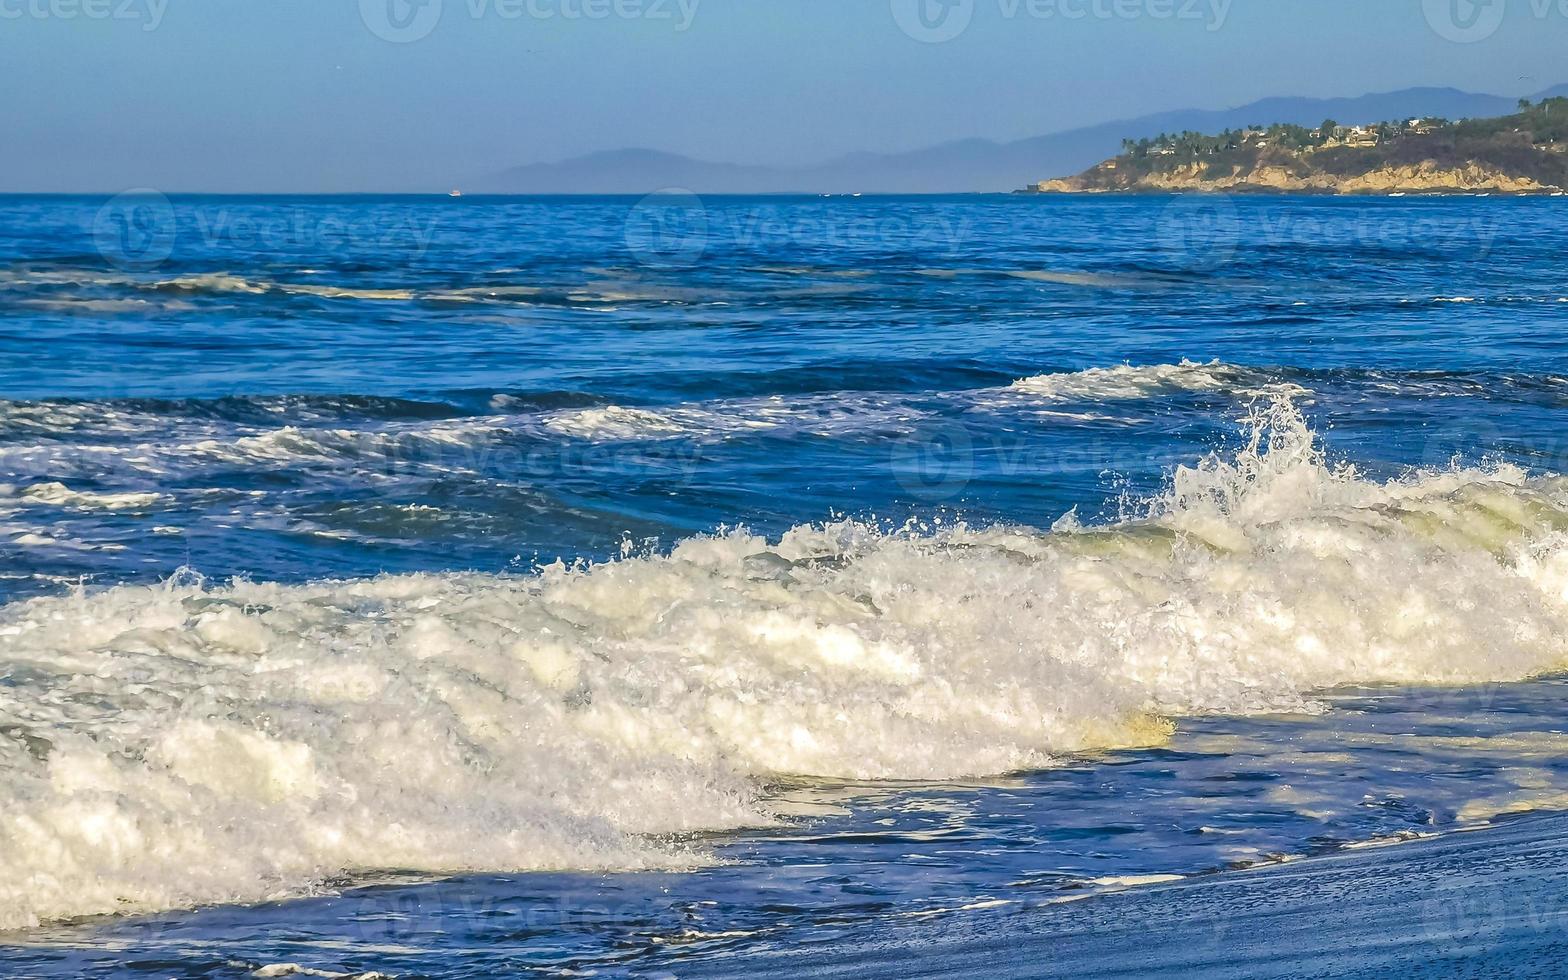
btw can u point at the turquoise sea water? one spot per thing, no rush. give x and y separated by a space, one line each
917 557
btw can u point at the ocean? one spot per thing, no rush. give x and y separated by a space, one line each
463 587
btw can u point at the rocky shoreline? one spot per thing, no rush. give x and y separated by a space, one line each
1423 178
1522 154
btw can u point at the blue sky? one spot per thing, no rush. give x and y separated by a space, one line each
338 95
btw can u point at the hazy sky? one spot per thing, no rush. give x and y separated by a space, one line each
101 95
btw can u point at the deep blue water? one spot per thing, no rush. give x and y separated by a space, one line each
825 311
292 390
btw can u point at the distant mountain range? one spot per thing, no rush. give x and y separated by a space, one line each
967 165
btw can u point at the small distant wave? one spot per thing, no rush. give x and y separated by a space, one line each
128 292
23 276
1103 280
225 283
133 417
615 422
1130 383
78 305
211 283
1497 300
345 292
590 294
1062 277
184 743
60 495
408 444
49 539
825 415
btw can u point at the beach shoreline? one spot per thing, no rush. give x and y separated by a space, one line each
1490 901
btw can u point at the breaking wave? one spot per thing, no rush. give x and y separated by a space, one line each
842 413
192 743
1130 383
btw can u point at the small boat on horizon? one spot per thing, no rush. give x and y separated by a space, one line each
455 193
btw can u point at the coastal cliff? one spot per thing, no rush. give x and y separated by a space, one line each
1526 153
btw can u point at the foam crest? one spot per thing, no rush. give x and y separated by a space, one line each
826 415
1131 383
60 495
188 743
616 422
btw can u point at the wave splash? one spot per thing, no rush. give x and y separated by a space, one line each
184 743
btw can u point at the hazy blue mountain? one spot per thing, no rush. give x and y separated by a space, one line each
967 165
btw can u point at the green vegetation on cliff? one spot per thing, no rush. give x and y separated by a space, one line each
1526 152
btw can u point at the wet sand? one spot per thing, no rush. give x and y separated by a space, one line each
1486 903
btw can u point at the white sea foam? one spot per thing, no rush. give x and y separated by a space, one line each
222 282
60 495
215 282
615 422
184 743
77 305
827 415
1131 383
64 419
295 970
345 292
